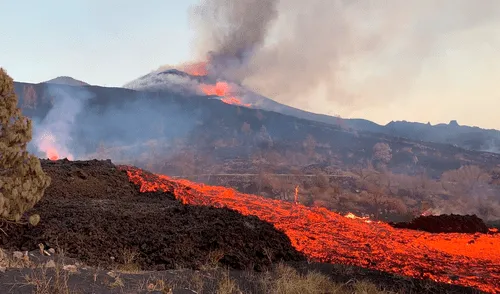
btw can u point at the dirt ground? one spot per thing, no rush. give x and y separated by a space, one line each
67 275
93 213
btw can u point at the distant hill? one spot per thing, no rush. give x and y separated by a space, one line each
64 80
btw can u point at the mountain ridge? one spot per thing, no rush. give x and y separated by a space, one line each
468 137
463 136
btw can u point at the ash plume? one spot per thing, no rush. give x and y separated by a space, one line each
356 53
230 32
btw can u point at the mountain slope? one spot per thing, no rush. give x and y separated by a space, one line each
472 138
90 121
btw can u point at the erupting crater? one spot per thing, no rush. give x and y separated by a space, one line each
222 89
464 259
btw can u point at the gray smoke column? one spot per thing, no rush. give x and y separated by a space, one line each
358 53
231 32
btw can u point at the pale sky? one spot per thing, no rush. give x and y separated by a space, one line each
112 42
107 42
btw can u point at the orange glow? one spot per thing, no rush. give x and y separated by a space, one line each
52 154
296 198
222 89
326 236
195 68
235 101
353 216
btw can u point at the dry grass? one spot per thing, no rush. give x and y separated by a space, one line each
52 280
196 282
286 280
8 260
227 285
129 264
212 260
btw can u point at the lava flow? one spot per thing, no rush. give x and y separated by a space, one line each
221 88
465 259
52 154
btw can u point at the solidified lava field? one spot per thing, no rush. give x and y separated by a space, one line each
94 213
471 260
452 223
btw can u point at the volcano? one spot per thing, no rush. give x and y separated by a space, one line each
189 80
197 82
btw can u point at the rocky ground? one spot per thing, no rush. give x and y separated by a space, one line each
94 213
452 223
116 239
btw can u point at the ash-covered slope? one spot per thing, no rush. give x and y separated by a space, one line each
123 124
168 80
472 138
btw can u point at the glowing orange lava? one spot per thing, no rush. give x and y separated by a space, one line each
220 89
52 154
235 101
465 259
353 216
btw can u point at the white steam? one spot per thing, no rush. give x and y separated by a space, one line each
52 136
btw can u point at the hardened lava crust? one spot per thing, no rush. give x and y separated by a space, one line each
93 212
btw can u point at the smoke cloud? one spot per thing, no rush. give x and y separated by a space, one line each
358 53
52 136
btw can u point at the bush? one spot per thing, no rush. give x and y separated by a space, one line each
22 180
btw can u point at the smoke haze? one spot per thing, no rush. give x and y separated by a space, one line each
356 53
126 126
52 136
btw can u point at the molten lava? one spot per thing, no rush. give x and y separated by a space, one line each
353 216
222 89
465 259
46 144
235 101
296 198
52 154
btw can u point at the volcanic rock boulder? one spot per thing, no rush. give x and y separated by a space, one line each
95 214
445 223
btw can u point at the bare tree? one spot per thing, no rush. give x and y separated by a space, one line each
382 154
465 179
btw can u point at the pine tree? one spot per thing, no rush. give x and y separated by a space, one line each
22 180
